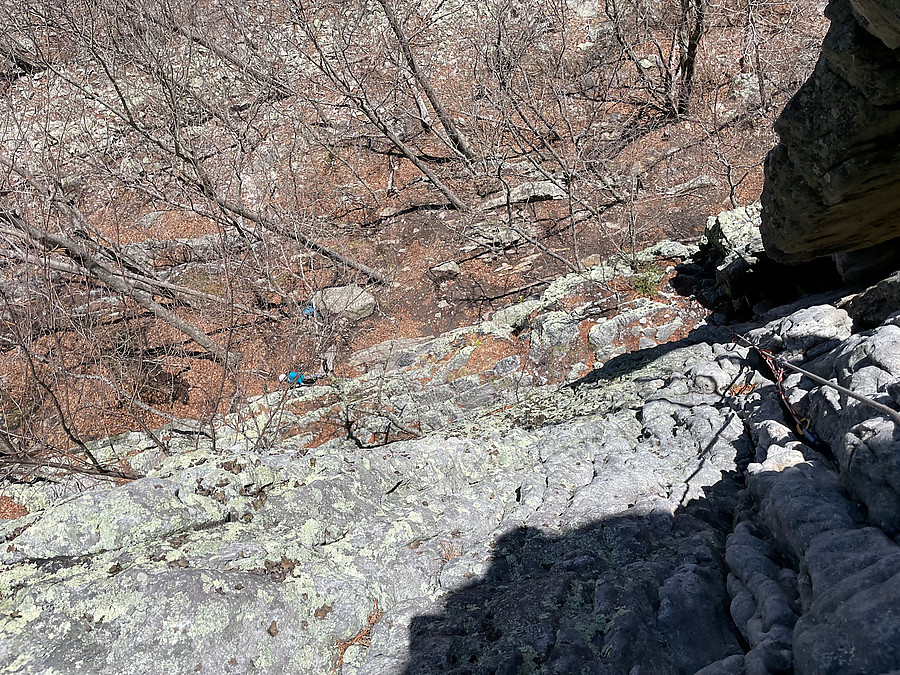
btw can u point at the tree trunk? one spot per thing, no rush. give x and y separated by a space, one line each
690 33
456 138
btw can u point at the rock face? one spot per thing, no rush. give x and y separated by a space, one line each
833 182
873 306
527 192
657 515
734 230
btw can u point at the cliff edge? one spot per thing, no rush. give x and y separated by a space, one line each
656 511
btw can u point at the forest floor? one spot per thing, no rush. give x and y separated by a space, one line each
405 240
120 369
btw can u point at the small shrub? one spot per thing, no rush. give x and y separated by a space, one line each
646 283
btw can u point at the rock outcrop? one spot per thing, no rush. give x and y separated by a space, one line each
654 512
833 182
350 302
874 305
746 278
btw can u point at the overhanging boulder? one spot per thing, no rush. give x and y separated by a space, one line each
833 182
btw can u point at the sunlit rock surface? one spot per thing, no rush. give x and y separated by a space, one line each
656 513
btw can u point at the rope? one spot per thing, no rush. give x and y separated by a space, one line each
801 423
777 365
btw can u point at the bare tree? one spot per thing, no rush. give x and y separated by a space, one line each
335 36
93 266
262 134
460 144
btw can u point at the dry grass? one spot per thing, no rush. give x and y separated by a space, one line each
449 551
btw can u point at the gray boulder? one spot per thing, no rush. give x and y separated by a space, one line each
445 271
731 230
350 302
874 305
527 192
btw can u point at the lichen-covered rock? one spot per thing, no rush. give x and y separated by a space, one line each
552 333
97 521
540 534
514 317
815 592
605 332
746 275
806 333
660 514
666 249
733 229
863 442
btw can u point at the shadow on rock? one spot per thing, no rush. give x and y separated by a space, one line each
626 363
635 593
714 336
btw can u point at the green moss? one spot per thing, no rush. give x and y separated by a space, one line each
595 625
530 661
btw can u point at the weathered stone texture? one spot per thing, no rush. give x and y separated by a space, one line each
873 306
351 302
833 182
659 517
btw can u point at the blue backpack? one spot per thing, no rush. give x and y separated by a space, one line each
295 379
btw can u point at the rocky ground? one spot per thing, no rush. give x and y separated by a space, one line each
602 478
594 481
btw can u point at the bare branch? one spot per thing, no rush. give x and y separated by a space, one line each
111 278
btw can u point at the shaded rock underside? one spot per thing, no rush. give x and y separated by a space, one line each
833 182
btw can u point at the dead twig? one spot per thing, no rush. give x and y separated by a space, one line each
449 552
362 638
